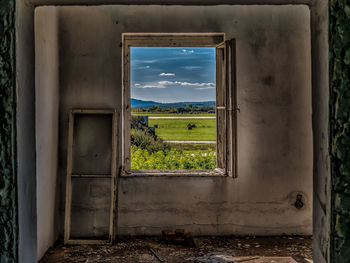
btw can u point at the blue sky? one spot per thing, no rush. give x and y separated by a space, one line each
165 74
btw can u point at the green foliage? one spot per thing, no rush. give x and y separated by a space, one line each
148 151
146 141
139 123
144 137
173 159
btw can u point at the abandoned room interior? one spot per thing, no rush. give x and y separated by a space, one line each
81 54
270 181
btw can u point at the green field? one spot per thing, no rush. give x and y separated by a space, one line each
174 114
178 155
176 129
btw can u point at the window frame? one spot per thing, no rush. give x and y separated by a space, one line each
223 110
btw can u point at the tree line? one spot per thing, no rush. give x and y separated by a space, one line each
192 109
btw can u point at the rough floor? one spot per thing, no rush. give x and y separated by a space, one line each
209 249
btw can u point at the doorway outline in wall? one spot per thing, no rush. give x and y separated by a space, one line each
71 173
226 102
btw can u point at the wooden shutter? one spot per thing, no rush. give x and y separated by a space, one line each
232 108
226 107
221 107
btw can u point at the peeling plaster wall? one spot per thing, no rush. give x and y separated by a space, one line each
339 127
47 102
274 126
8 200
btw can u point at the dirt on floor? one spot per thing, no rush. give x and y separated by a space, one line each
208 249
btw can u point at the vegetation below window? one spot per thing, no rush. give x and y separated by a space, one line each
148 151
173 159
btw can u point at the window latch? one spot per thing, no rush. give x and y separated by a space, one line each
220 107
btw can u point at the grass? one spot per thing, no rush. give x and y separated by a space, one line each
174 114
176 129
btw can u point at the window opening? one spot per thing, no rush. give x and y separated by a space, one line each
173 108
163 77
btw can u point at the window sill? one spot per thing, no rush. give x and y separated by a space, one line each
175 173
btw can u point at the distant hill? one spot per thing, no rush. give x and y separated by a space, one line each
146 104
143 103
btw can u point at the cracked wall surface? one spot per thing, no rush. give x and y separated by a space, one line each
8 210
340 126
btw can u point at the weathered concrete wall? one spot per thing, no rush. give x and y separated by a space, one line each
26 156
46 109
339 128
320 101
8 200
274 128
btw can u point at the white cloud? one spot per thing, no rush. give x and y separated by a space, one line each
204 88
204 85
165 83
150 86
192 67
187 51
145 67
166 74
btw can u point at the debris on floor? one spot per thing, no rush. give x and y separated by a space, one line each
284 249
179 236
220 258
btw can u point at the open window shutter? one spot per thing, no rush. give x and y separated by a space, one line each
221 106
231 112
226 107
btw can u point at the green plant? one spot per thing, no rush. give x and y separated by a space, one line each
171 160
146 141
139 123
